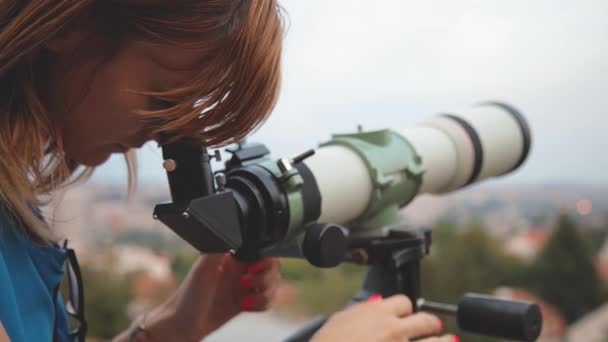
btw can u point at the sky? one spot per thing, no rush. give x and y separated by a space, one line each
392 63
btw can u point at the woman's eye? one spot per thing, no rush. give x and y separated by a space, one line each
159 104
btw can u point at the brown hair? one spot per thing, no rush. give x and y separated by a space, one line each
231 95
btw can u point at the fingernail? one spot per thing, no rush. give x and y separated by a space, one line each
246 282
255 268
441 325
248 303
374 298
455 338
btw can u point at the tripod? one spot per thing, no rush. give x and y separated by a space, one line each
394 268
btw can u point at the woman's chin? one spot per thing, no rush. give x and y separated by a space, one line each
93 159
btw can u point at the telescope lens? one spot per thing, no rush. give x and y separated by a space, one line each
458 149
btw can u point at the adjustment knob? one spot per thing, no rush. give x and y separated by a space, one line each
514 320
325 244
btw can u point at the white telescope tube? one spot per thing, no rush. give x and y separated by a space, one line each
344 183
456 150
488 140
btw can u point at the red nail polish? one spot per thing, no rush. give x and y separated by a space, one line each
374 298
255 268
246 282
455 338
248 303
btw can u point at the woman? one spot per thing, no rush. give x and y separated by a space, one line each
82 79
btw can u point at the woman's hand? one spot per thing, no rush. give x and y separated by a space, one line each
382 321
216 289
243 288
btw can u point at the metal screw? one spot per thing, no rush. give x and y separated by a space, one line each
186 215
284 165
217 155
170 165
220 179
155 217
232 251
420 303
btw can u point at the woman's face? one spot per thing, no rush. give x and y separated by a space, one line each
91 102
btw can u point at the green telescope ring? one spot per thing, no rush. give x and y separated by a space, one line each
394 168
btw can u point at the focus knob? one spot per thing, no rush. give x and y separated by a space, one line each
514 320
325 244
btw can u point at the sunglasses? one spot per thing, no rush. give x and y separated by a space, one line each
75 297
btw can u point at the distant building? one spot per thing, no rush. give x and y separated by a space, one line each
127 259
527 244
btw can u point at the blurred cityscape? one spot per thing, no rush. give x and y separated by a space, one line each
109 232
94 215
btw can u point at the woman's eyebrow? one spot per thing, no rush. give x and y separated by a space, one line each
175 59
176 80
169 79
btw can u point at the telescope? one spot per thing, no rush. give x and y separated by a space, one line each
340 203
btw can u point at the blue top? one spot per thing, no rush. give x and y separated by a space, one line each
30 307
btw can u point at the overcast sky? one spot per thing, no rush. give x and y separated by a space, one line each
391 63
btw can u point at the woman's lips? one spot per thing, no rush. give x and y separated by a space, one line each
120 148
123 148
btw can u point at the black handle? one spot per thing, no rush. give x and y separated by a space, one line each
515 320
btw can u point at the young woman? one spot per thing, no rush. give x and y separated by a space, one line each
82 79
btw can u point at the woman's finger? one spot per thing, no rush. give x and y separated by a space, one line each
262 265
399 305
261 281
206 266
259 301
236 267
420 324
444 338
